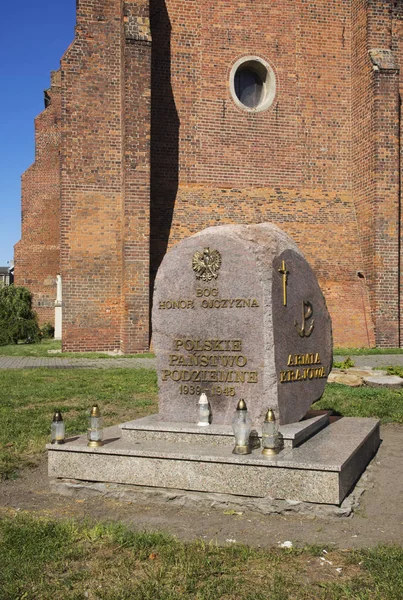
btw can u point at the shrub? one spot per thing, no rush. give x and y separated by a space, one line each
17 319
47 331
346 364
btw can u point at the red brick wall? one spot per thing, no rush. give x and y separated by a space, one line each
363 149
91 240
141 170
387 208
291 164
105 178
397 47
37 254
376 132
136 223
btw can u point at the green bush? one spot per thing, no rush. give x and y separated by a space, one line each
346 364
17 319
47 331
396 370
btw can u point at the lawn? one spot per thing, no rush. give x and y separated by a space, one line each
365 351
44 559
382 403
41 349
52 349
29 398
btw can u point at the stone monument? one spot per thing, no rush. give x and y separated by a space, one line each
237 314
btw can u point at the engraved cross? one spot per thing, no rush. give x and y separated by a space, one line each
285 273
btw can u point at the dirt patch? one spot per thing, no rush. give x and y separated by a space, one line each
378 520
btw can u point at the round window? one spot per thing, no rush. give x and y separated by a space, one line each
252 82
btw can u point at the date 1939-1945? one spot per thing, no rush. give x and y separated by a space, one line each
216 390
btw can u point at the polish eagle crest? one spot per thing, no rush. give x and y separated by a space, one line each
206 264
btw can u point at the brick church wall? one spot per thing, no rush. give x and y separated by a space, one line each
154 148
91 238
381 116
105 178
363 148
291 164
397 47
37 254
136 224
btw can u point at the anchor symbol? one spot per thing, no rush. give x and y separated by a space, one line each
307 311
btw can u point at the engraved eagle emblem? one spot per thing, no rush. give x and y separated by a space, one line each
206 264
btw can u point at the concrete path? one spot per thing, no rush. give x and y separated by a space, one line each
25 362
374 360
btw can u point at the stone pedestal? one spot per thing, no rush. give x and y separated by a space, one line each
323 469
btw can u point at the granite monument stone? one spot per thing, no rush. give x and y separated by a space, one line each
238 313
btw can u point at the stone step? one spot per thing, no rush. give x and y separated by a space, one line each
150 428
322 470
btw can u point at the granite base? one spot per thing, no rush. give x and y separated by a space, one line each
151 428
322 470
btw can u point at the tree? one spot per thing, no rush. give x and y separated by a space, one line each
17 319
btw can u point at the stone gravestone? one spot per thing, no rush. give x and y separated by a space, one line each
238 313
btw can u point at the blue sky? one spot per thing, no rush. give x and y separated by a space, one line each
33 36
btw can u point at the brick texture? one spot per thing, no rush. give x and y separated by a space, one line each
37 254
153 148
291 164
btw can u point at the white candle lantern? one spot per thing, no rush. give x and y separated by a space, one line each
94 435
204 411
57 428
241 426
271 441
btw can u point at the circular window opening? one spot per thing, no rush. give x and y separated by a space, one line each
249 86
253 85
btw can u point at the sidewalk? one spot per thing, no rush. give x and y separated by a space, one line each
26 362
374 360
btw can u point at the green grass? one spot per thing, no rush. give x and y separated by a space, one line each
47 348
365 351
29 398
43 559
42 349
384 404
